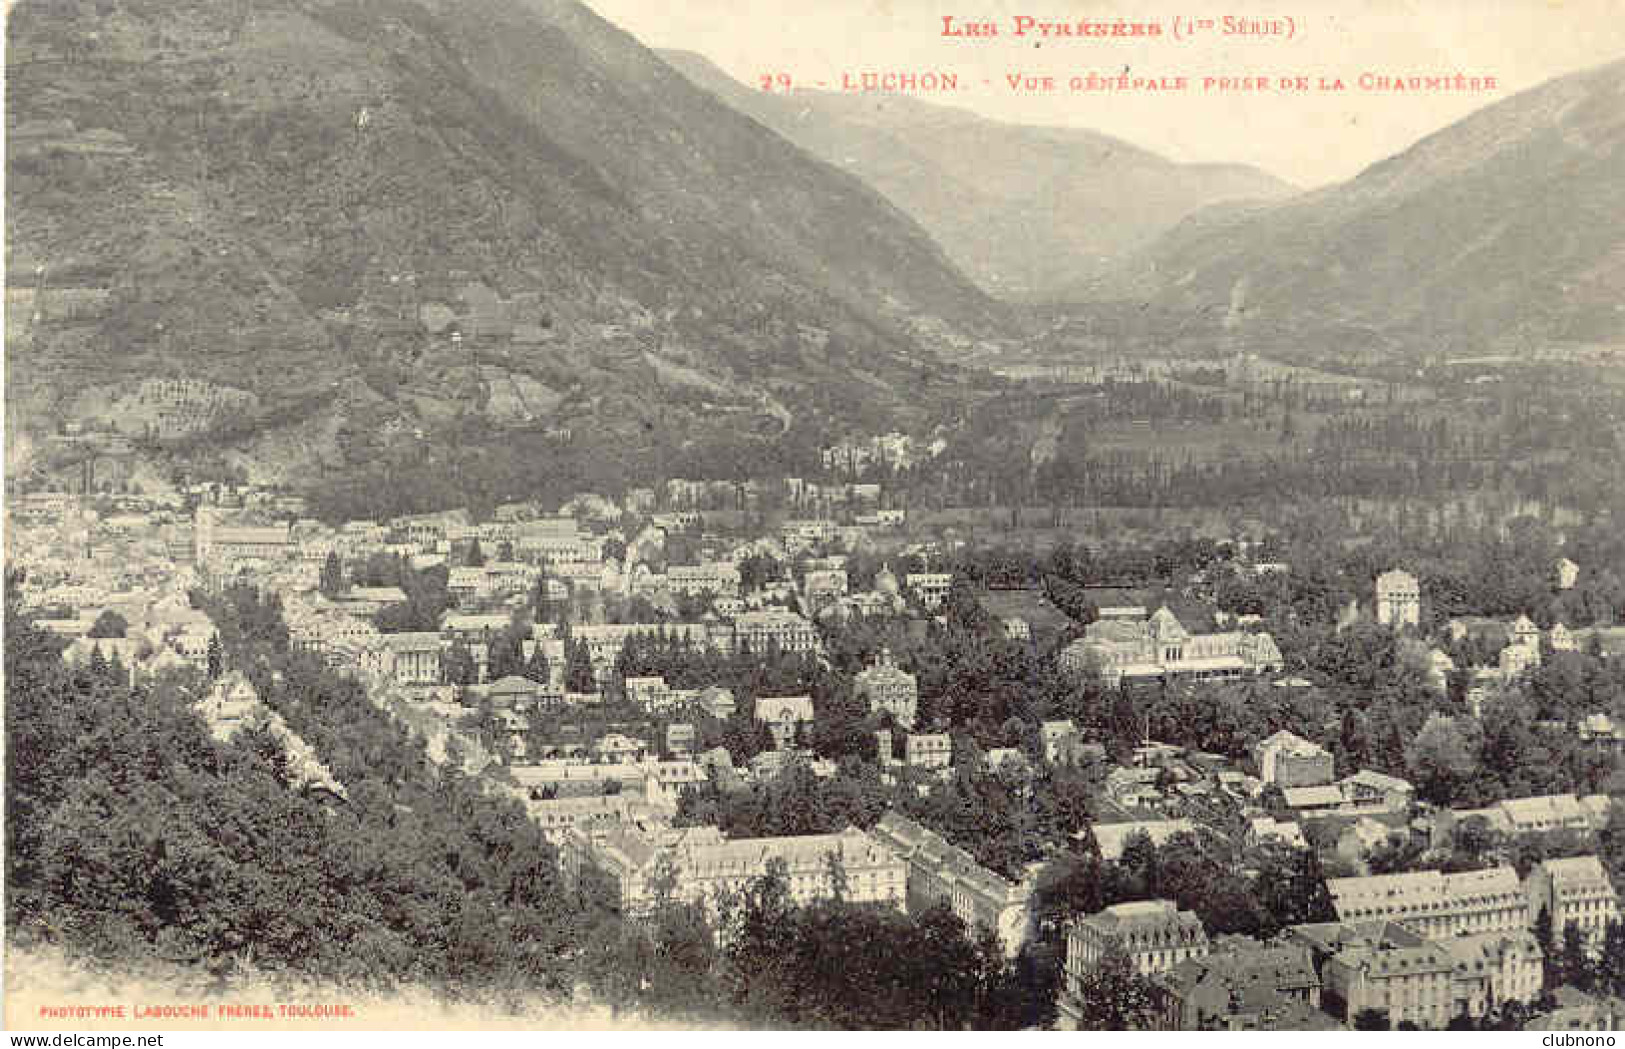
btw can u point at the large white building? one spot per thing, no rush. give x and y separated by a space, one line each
1155 935
1574 891
1433 904
1126 652
775 626
785 717
702 864
1399 599
938 872
889 688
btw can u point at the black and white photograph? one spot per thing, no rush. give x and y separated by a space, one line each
751 515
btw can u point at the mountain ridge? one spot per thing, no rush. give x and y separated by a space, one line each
360 223
1024 210
1497 232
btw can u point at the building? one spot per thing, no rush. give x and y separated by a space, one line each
1240 989
617 748
889 688
1370 791
413 659
1113 837
651 694
1059 738
822 587
1383 966
1266 829
1574 891
1288 760
1160 648
1433 904
718 578
1155 935
605 641
1399 599
1567 572
365 602
557 816
938 872
680 739
718 702
1514 660
1518 816
930 589
786 717
928 750
217 542
775 626
701 864
1492 969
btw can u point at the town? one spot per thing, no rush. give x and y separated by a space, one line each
1178 784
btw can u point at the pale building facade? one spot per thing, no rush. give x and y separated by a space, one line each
1399 599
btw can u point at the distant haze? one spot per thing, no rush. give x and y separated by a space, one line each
1309 139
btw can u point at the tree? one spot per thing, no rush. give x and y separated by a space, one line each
578 672
1576 959
108 625
1611 963
1551 965
537 668
476 556
215 657
1112 996
1442 760
457 666
1371 1020
332 579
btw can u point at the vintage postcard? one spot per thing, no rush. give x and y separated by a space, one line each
873 515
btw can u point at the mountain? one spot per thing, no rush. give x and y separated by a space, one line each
1027 212
337 233
1501 232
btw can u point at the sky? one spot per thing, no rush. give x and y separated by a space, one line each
1308 138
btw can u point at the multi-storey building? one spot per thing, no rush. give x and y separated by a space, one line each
652 694
471 629
1540 815
217 542
1160 648
823 587
1492 969
697 864
1250 988
930 589
708 577
557 816
785 717
1154 934
1059 737
889 688
1433 904
1399 599
413 659
1574 891
928 750
1383 966
775 626
938 872
1288 760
